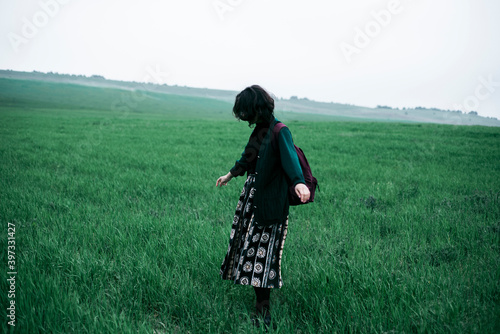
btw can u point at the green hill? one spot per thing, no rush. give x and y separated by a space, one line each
50 95
187 101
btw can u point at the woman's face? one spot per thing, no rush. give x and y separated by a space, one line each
253 121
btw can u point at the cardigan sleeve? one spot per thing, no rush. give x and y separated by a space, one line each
242 165
251 151
289 159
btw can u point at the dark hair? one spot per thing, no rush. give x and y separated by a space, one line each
254 104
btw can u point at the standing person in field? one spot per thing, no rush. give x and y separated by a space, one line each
261 220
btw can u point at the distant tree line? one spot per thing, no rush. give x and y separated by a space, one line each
295 98
423 108
94 76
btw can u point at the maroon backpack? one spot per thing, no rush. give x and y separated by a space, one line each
311 181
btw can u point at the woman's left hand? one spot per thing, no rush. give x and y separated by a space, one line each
223 180
303 192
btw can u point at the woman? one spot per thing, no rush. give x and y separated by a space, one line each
261 219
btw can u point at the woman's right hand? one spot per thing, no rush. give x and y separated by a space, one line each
302 192
223 180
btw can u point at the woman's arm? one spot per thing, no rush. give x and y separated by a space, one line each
289 159
240 166
249 153
291 165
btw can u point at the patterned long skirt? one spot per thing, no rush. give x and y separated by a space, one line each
254 253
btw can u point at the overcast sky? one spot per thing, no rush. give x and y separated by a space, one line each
404 53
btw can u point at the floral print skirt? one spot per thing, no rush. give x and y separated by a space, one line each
254 253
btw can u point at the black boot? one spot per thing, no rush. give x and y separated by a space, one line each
262 309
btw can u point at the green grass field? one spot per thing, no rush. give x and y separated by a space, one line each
119 227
